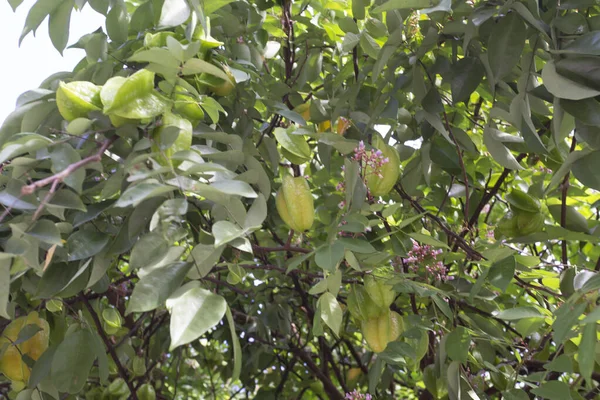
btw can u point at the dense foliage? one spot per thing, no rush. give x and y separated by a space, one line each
306 200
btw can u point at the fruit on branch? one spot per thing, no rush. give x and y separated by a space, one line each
77 99
381 330
361 305
11 362
383 295
295 203
525 217
304 110
146 392
520 200
163 143
186 105
217 85
380 180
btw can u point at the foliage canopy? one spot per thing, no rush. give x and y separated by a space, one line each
446 159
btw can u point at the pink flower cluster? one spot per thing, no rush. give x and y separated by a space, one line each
426 257
370 163
373 160
356 395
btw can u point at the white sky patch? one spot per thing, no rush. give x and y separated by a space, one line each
24 68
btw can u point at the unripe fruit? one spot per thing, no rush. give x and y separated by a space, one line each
219 86
11 363
186 105
146 392
361 305
304 110
380 331
383 295
183 141
295 203
520 200
77 99
381 181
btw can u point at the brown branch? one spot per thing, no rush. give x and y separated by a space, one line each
462 167
563 206
458 240
60 176
226 284
489 195
122 371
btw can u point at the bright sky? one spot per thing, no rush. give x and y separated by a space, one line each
24 68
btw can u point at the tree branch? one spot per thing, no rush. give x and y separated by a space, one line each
60 176
122 371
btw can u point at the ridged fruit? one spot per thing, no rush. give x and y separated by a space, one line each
382 294
77 99
183 141
295 203
304 110
11 363
146 392
380 331
361 305
381 181
220 86
186 105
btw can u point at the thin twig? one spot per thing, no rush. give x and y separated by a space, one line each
60 176
122 371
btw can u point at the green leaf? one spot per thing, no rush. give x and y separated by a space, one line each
117 22
46 231
453 379
457 344
256 214
587 351
425 239
173 13
588 43
42 367
225 231
404 5
58 25
586 110
153 289
72 362
563 87
574 220
566 317
37 14
197 66
84 244
194 311
135 194
21 144
506 44
499 152
295 144
586 170
204 257
4 286
397 352
329 256
62 157
501 273
331 312
467 74
553 390
237 349
148 250
519 313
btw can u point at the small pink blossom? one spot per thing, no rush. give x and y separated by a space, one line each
356 395
424 258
